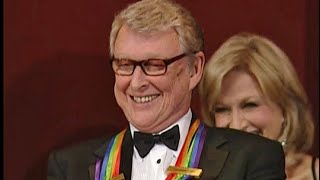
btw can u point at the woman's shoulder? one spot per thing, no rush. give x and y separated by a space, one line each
302 166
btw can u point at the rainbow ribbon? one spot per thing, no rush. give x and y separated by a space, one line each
188 157
111 162
191 150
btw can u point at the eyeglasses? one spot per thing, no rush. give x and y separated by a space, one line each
151 67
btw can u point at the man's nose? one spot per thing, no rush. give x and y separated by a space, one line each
138 79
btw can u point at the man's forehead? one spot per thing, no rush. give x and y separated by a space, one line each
130 42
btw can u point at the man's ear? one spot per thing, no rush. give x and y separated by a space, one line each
197 69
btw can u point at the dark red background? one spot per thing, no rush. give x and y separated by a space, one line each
58 87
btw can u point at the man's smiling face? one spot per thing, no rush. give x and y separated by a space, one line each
152 103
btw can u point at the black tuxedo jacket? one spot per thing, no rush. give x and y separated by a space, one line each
227 155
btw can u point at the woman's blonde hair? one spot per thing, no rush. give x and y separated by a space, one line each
276 76
149 16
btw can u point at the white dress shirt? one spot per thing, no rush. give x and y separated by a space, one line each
155 164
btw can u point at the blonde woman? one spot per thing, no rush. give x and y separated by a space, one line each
249 84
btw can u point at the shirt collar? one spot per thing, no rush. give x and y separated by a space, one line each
184 125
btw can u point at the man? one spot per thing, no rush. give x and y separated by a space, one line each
157 55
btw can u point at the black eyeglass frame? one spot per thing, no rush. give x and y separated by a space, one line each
167 62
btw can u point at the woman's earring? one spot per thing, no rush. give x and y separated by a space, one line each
283 142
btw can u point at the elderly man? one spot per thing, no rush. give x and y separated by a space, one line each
156 48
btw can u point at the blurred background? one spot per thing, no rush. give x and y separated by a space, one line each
58 85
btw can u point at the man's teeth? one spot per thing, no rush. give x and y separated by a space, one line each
144 99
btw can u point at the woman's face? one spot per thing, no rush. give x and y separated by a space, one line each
242 106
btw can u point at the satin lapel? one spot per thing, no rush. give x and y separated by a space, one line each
91 171
126 155
98 154
212 159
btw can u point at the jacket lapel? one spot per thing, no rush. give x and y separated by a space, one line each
91 170
99 155
126 156
212 159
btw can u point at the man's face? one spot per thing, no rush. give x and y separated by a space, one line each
152 103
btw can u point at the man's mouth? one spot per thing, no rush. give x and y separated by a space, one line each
144 99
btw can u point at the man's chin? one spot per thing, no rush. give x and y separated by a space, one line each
144 124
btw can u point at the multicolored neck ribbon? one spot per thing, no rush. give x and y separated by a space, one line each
111 161
189 156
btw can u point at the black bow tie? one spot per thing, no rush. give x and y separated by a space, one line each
144 142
